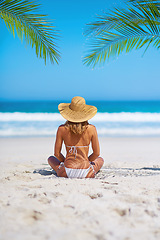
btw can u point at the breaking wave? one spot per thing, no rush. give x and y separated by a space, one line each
107 124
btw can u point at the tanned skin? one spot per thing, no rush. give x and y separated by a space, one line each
81 160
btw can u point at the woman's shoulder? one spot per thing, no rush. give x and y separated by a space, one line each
61 128
91 128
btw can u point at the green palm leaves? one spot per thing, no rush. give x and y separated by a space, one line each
135 26
20 16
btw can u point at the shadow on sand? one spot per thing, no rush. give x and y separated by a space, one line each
45 172
150 168
105 172
128 172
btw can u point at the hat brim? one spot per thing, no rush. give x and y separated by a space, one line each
77 116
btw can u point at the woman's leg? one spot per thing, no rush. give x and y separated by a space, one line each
55 164
97 164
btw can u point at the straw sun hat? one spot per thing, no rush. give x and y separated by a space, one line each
77 110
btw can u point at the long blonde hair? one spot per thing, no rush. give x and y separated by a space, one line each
77 128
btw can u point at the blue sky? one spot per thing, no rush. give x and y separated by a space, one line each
25 77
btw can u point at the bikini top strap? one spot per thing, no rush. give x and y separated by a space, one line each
73 149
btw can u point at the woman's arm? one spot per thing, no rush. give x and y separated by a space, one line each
58 145
95 146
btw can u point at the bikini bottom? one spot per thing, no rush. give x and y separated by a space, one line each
77 173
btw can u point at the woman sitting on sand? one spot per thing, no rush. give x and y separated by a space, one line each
77 134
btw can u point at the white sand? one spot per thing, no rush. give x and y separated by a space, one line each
121 203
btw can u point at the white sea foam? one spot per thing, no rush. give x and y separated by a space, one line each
18 116
148 131
99 117
26 132
127 117
101 132
107 124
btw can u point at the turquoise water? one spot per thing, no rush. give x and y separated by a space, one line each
41 118
103 106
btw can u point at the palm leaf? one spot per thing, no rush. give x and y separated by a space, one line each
121 30
20 16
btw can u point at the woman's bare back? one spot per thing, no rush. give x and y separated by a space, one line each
77 157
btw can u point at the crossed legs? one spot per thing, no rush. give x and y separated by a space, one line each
97 164
55 163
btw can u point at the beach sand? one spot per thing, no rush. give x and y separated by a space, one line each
121 203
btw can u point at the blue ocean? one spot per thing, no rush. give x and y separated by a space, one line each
114 118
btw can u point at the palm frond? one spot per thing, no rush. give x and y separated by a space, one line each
124 29
145 3
20 16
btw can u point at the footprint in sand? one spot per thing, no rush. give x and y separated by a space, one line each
150 213
33 216
123 212
96 195
44 200
135 199
40 197
23 177
32 195
55 194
